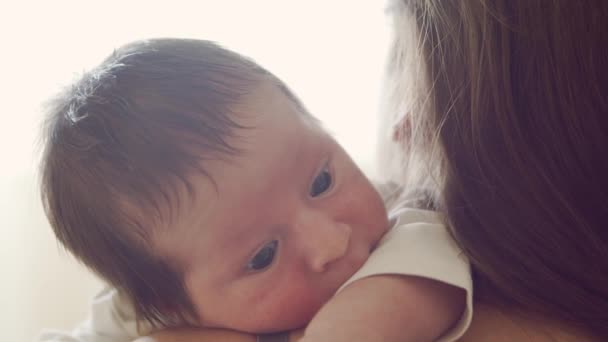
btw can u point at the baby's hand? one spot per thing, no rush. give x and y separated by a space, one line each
388 308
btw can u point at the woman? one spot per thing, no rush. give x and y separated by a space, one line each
502 111
511 137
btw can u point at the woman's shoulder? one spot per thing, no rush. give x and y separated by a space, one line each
491 323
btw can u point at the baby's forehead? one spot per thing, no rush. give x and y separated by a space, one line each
270 90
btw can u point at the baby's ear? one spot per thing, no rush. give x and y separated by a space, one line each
402 130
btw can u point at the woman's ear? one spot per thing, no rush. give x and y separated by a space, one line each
402 130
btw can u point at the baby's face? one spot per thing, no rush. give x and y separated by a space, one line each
288 220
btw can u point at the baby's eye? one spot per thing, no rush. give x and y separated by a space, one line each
321 183
264 257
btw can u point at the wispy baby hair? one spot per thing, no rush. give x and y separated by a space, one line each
116 144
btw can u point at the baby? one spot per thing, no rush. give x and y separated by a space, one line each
195 182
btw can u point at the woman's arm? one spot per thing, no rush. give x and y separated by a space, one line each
197 335
202 335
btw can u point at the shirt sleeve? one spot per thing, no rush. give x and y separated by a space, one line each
112 319
420 245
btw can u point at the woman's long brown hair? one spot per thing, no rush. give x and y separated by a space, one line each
516 138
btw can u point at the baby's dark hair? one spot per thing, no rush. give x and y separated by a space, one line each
116 144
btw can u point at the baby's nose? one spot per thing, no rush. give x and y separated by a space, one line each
323 241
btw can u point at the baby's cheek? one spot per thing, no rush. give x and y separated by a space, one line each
291 305
367 207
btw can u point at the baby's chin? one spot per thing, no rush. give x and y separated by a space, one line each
293 317
290 316
279 316
269 324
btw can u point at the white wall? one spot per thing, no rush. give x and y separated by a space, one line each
330 52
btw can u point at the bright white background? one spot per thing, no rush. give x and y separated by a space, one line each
331 52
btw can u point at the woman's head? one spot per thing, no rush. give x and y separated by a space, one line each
509 122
